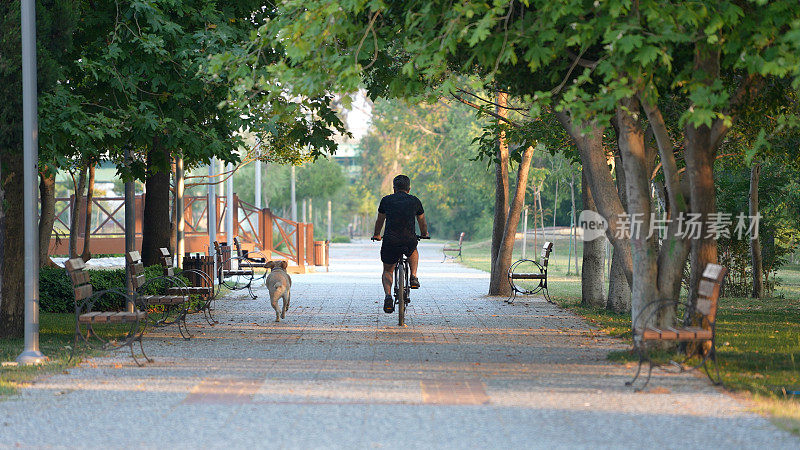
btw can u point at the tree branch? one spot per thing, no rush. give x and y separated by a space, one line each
491 113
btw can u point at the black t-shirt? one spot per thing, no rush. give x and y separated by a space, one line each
400 209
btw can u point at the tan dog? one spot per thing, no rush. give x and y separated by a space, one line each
279 283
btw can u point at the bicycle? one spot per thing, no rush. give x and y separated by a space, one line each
402 288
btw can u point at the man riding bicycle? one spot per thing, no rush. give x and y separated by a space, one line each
398 210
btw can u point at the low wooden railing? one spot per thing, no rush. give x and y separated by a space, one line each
257 229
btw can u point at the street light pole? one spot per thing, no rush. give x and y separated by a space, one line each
211 210
229 206
180 244
294 197
130 229
30 129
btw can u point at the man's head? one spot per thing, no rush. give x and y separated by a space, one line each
401 183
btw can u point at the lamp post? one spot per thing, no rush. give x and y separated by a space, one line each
180 244
229 206
130 228
294 197
31 353
211 210
258 186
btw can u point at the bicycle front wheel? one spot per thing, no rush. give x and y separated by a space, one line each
401 296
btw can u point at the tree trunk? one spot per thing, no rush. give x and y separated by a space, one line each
700 170
701 145
574 223
637 180
12 303
555 205
755 242
47 192
619 291
155 223
505 253
598 177
498 279
76 210
592 270
87 230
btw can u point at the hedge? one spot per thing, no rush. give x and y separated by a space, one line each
56 296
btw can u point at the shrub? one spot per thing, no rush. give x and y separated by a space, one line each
56 296
341 239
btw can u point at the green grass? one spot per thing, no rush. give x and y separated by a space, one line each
758 340
56 332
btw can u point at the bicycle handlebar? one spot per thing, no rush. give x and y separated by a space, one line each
418 238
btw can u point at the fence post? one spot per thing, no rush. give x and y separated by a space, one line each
310 244
266 226
300 231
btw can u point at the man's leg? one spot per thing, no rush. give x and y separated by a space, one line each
413 261
387 278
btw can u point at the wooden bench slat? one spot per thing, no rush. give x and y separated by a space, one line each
701 334
713 271
670 334
102 317
528 276
82 292
134 257
195 289
236 272
650 334
79 277
706 288
704 306
75 264
164 299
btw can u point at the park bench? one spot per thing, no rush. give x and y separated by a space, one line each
88 320
200 284
233 272
528 269
249 261
167 307
647 338
452 249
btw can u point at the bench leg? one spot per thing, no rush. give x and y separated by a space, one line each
75 344
182 320
638 371
712 357
207 314
141 347
642 359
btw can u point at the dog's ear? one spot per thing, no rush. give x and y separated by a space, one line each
283 264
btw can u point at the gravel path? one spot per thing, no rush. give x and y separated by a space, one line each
468 371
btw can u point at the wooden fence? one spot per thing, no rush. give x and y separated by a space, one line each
258 230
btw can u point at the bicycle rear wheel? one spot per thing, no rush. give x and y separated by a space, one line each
401 295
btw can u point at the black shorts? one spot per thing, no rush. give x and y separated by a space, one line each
390 252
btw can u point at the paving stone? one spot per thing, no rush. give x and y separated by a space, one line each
467 371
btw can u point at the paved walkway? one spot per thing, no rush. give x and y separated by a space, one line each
468 371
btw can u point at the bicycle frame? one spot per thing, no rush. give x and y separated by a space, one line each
402 278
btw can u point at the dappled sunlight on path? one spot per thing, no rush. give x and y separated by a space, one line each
467 371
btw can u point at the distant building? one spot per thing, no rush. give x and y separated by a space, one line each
347 156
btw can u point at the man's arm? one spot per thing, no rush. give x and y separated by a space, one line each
423 225
378 225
